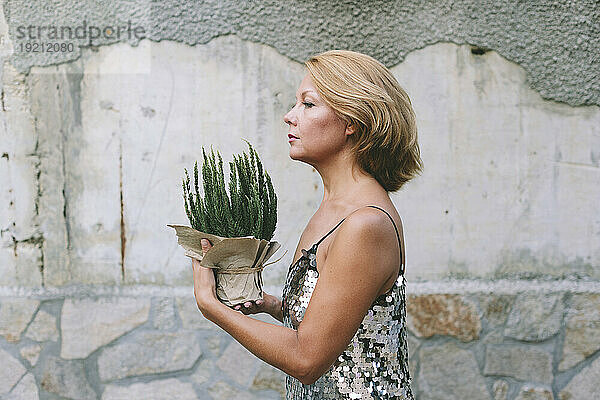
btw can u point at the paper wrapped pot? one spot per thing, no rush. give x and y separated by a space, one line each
238 262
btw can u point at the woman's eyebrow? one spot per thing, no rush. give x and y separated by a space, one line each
307 90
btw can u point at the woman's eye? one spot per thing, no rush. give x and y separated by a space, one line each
307 104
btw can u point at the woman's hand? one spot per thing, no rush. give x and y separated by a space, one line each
205 287
268 304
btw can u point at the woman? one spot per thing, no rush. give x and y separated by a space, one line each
343 308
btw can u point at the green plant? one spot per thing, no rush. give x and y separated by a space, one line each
250 209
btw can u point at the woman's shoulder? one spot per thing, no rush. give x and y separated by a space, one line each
375 215
369 225
368 221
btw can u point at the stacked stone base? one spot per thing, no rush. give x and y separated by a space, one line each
472 341
510 344
124 347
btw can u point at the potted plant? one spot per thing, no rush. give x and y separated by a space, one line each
239 225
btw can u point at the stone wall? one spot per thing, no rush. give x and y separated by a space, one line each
511 344
502 230
124 347
489 342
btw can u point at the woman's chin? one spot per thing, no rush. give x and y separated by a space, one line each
293 154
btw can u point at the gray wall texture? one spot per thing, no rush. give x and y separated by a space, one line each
502 229
556 42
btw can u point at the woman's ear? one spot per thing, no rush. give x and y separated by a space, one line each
350 129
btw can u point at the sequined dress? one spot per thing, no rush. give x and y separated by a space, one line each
375 363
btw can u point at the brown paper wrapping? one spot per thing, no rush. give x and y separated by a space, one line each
237 261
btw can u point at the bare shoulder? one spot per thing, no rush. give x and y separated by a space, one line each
367 233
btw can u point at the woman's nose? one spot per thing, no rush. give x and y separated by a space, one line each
289 117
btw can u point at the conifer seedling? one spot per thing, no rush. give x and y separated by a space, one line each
239 224
250 209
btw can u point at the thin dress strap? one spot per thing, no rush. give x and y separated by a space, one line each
397 235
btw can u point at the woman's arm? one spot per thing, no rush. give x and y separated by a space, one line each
274 344
354 272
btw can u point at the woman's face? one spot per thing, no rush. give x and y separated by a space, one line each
319 132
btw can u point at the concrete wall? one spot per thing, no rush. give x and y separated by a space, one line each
502 229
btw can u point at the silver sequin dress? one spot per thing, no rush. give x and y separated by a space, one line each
375 363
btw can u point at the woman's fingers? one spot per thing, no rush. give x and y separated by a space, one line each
249 307
205 245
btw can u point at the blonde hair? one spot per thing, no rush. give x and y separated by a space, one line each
365 94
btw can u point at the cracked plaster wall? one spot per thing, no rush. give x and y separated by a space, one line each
509 188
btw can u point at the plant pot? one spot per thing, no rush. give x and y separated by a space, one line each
238 262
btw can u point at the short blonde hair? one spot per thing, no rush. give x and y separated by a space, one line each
365 94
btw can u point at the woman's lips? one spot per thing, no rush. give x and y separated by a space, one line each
290 136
